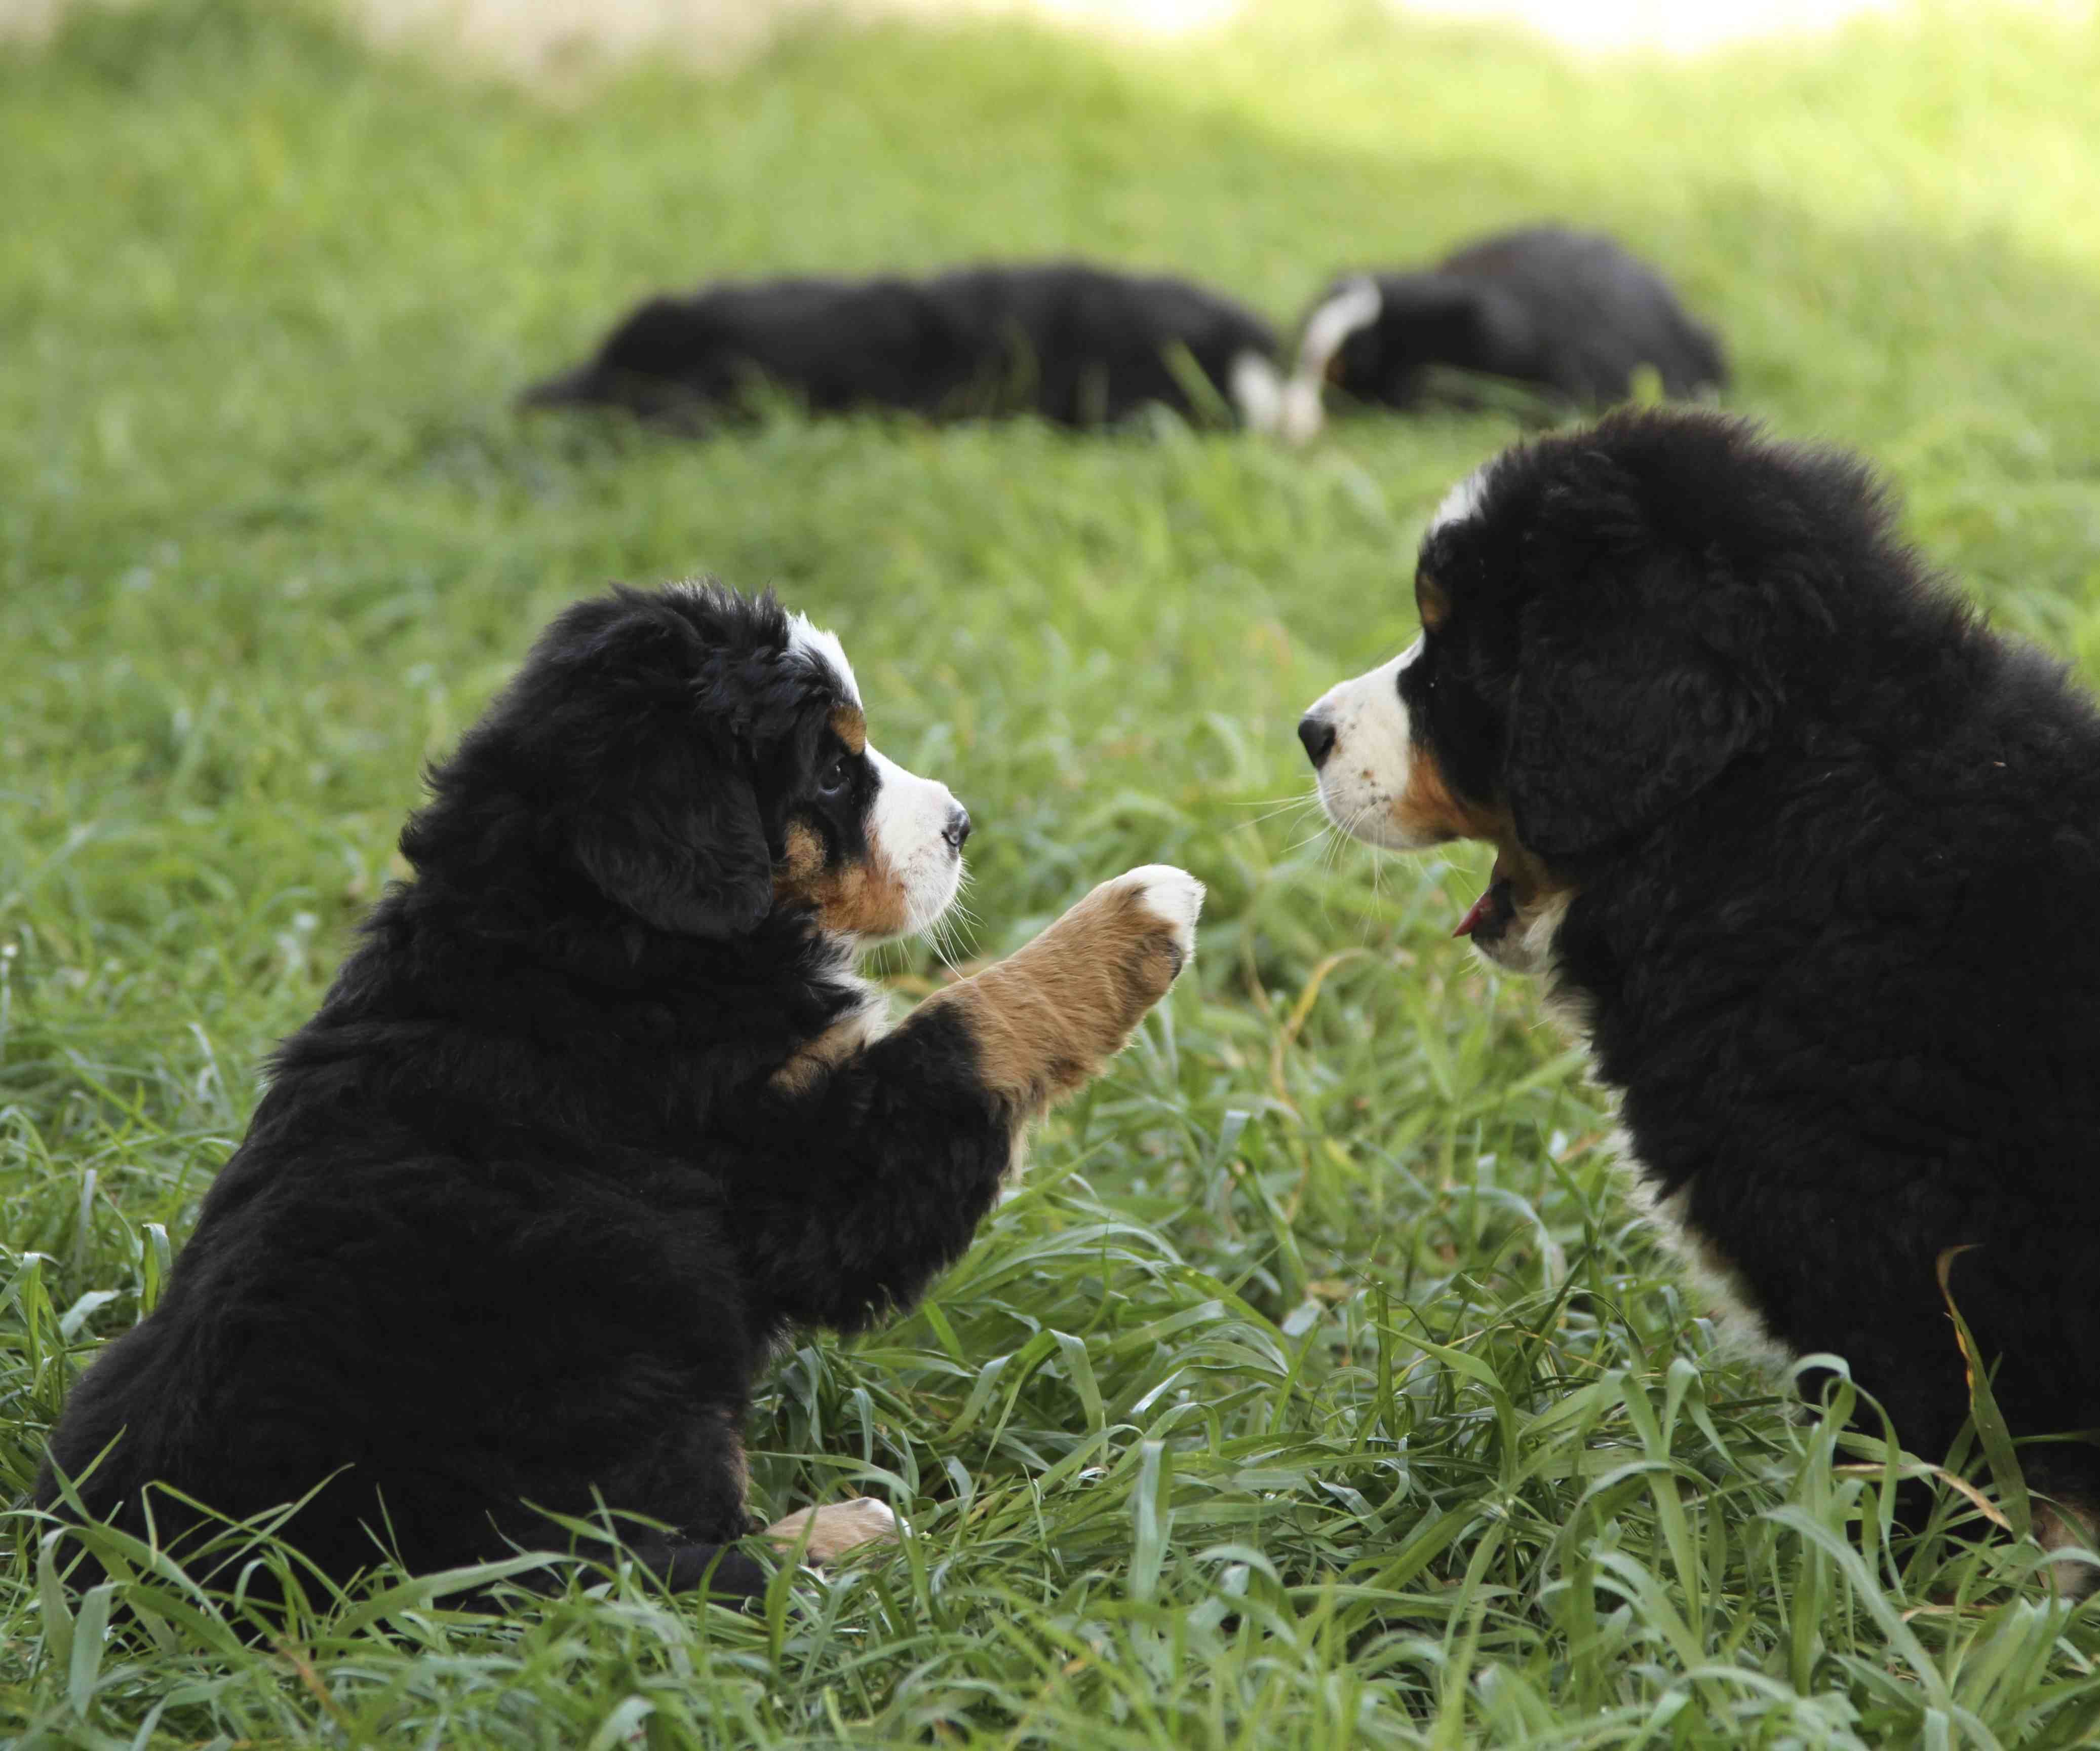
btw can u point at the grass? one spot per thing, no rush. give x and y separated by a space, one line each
1319 1389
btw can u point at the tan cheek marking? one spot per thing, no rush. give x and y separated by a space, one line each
863 898
850 726
1429 809
1048 1019
800 863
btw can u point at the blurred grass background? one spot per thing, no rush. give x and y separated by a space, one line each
1319 1389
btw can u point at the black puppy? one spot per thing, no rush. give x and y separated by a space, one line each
598 1110
1077 345
1571 313
1803 852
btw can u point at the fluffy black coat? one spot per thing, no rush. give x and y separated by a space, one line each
1077 345
522 1209
1571 313
1823 850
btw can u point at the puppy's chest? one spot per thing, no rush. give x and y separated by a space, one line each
864 1022
1723 1289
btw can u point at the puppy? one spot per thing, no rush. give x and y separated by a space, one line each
1573 313
1077 345
596 1112
1801 850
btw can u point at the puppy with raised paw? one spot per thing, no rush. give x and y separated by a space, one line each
599 1109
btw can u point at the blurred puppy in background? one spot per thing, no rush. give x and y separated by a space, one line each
1566 311
1077 345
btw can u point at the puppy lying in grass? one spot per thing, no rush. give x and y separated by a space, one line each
1803 852
596 1111
1077 345
1573 314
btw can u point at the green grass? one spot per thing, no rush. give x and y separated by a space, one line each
1319 1389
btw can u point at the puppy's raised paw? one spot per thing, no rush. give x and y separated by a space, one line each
1170 899
1140 924
836 1528
1049 1016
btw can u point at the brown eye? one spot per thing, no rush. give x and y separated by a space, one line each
836 776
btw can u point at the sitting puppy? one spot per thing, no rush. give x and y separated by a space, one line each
597 1110
1571 313
1077 345
1801 850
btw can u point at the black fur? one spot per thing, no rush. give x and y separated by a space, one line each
521 1213
1078 345
1834 848
1571 313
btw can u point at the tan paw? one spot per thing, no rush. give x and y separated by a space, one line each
836 1528
1169 899
1048 1019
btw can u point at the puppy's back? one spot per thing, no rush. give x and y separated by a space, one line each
1078 344
1595 313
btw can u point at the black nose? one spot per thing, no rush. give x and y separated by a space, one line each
1318 736
958 829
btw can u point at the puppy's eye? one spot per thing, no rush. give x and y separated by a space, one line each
836 776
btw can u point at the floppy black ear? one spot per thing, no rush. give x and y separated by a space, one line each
1622 713
679 846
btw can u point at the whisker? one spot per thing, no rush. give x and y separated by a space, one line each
1294 807
1348 833
1321 825
1259 802
1280 806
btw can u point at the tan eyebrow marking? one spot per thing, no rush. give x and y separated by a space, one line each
849 724
1430 601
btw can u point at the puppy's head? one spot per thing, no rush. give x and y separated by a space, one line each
698 763
1611 620
1370 340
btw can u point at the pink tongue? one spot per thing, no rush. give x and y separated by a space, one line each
1474 914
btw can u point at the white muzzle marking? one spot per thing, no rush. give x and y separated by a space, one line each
909 826
1364 774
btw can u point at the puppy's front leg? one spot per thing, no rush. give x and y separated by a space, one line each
871 1174
1046 1020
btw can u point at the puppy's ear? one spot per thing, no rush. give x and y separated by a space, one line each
676 839
1629 701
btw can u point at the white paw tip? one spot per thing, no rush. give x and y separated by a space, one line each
1172 896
